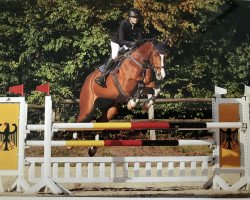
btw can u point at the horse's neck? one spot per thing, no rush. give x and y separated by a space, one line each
140 55
130 72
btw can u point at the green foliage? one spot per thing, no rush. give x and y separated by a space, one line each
178 20
61 42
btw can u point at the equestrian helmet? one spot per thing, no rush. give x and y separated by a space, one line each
134 12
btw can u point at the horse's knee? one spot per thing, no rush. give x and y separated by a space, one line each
151 85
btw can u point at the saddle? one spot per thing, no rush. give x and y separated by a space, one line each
113 68
116 63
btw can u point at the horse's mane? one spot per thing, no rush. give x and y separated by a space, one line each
136 46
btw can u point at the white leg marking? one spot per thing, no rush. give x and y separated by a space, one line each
131 104
157 91
163 74
162 60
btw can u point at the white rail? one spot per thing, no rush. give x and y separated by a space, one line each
122 169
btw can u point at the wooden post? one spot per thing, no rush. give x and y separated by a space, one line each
151 116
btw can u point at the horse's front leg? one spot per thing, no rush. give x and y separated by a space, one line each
134 101
149 102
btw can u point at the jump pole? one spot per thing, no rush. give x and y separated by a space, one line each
21 183
105 143
215 126
146 125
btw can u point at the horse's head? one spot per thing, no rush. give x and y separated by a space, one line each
155 52
156 59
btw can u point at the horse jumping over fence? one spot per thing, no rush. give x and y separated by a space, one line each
124 84
135 75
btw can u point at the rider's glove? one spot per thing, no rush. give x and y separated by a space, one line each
131 44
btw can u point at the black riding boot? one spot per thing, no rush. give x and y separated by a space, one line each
105 71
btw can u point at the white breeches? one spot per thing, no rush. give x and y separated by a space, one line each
115 48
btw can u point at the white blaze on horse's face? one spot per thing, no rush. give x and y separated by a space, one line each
161 74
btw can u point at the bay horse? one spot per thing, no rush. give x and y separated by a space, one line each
135 75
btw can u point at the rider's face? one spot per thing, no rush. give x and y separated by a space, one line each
133 20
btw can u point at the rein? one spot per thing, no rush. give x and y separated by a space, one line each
147 64
123 97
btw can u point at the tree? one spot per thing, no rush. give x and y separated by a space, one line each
11 28
61 42
201 55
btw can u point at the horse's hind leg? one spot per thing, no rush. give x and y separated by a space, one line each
108 114
87 108
105 117
86 115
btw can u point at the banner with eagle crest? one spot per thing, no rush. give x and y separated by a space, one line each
9 122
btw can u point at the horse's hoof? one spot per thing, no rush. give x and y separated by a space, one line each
145 108
92 151
148 104
132 104
145 105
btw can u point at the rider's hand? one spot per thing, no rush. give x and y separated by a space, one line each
132 44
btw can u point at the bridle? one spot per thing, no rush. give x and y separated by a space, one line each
146 63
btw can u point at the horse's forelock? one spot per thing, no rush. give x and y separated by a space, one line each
161 47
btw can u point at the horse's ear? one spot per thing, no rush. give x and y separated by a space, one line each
161 46
155 42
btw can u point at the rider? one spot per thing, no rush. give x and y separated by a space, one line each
130 30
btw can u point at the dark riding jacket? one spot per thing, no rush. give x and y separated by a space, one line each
127 33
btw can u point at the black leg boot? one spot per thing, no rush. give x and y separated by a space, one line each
101 80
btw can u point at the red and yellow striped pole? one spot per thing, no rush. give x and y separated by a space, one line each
103 143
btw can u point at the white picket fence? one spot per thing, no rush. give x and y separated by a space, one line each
121 169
